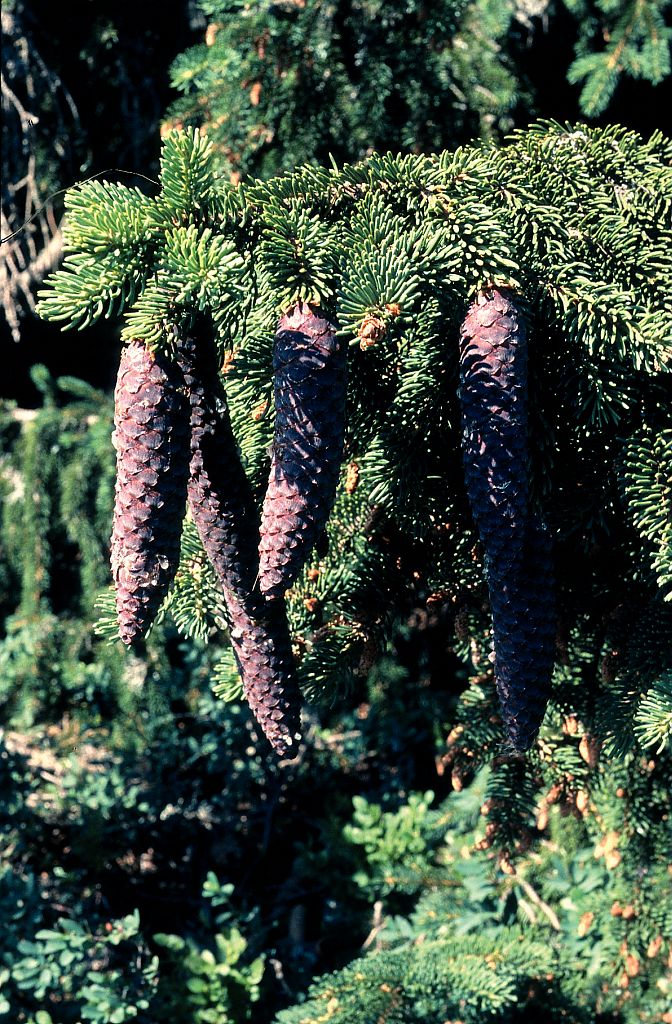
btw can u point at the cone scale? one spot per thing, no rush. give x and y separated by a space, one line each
224 512
518 556
151 438
310 367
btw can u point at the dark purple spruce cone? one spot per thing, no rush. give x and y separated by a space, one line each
310 366
518 556
223 508
151 436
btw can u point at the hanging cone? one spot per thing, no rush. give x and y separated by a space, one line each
262 646
523 625
223 509
518 558
310 366
151 437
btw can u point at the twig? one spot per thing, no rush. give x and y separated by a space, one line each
280 975
28 415
535 898
378 922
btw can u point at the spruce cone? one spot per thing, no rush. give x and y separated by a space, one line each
262 646
518 558
310 366
151 436
223 509
523 623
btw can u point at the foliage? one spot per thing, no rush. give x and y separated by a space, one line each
58 963
281 84
217 988
277 85
633 38
57 476
90 814
394 842
561 934
155 863
646 459
571 926
558 214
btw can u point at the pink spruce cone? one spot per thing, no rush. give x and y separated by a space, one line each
310 384
151 437
223 509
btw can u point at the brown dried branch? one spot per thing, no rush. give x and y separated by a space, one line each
32 239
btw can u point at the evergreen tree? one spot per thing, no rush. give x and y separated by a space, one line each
279 84
57 486
576 224
631 38
539 888
405 242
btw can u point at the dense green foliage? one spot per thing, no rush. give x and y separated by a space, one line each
631 38
277 85
123 916
560 861
281 84
57 483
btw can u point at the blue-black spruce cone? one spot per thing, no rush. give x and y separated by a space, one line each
223 509
151 437
310 365
518 554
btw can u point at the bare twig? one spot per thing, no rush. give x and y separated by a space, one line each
535 898
280 975
26 87
377 923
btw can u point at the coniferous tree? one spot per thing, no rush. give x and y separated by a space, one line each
615 39
405 241
540 887
276 85
57 477
395 250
